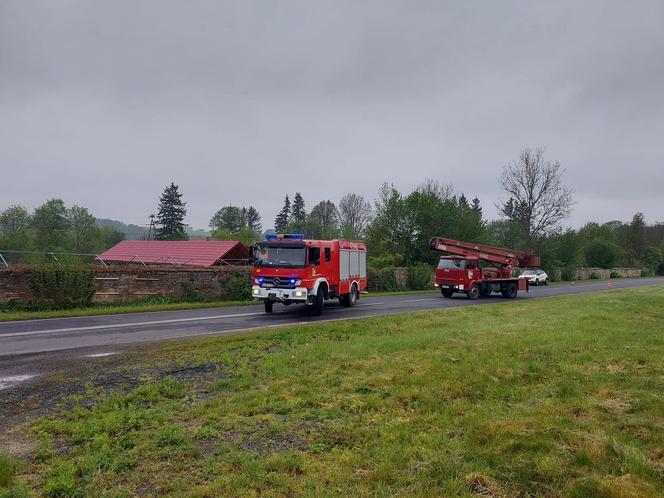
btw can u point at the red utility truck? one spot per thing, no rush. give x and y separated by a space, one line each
478 270
289 269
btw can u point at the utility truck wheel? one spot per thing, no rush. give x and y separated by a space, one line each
268 306
318 303
474 292
446 292
510 290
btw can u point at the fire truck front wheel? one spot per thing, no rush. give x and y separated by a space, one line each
447 292
318 302
268 306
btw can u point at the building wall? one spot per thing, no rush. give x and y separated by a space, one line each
130 283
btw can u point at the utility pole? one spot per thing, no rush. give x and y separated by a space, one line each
151 225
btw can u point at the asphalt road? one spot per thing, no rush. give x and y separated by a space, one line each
103 333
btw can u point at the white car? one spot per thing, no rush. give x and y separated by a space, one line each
535 277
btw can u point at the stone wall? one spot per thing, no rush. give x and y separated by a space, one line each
588 273
117 284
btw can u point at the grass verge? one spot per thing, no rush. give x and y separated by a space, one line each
115 309
554 397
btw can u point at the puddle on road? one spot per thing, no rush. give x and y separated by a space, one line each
12 380
98 355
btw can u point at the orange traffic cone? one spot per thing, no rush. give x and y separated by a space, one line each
609 285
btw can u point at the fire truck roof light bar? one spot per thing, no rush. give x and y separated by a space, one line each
292 236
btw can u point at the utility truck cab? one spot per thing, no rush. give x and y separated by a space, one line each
291 269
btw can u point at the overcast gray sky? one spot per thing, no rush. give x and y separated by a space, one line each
104 103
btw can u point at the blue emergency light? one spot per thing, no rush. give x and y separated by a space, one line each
291 236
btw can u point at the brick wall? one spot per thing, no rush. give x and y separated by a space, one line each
117 284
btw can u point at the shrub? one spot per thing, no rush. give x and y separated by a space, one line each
615 274
568 273
235 286
62 288
419 277
382 280
602 253
7 470
189 292
594 276
381 262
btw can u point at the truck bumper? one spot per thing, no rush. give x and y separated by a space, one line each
299 294
450 286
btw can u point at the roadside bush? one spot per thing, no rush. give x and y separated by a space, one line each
7 470
380 262
615 274
420 277
61 288
189 293
235 286
568 273
594 276
382 280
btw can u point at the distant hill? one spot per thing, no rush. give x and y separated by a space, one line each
199 233
138 232
132 232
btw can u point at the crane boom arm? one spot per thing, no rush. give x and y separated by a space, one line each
491 254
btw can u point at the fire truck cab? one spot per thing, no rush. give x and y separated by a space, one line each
291 269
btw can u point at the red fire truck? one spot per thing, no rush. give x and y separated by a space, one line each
289 269
478 270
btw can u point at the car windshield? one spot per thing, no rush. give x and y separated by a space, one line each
529 272
280 256
452 264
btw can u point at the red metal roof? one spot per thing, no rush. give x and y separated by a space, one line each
175 252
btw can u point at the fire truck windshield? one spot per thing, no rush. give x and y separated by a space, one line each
452 263
280 256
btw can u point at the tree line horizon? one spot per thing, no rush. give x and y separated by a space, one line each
397 227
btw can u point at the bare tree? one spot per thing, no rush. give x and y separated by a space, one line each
538 199
354 214
443 191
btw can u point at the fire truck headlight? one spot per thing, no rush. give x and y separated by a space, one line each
255 292
299 294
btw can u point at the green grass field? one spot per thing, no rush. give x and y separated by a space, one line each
554 397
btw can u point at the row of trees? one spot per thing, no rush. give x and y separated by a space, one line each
397 228
54 227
